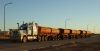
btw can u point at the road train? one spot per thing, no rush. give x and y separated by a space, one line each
32 31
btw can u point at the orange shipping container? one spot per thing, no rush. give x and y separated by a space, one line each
66 31
74 31
44 30
88 32
84 32
55 31
4 33
78 31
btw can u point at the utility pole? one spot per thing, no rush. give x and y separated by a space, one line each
4 13
65 23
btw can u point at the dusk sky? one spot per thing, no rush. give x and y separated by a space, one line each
53 13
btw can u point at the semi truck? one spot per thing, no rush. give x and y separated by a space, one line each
25 32
32 31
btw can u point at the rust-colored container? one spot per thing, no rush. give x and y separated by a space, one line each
44 30
88 32
4 33
84 32
55 31
81 31
61 31
67 31
74 31
78 31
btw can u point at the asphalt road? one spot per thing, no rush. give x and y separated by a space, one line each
16 46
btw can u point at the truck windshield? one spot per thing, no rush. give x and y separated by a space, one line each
23 27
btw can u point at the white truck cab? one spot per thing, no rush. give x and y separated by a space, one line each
25 32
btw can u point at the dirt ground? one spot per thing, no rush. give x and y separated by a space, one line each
73 46
82 44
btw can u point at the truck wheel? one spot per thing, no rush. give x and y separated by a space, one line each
46 38
39 38
76 36
69 37
89 35
43 38
81 36
85 36
24 40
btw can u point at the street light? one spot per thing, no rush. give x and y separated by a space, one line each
87 27
94 29
66 22
4 13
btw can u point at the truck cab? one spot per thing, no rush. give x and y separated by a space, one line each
25 32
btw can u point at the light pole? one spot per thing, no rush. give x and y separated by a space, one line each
87 27
65 23
94 29
4 13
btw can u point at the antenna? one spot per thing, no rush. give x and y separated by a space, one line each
23 22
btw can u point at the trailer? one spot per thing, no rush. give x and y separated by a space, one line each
84 34
4 35
67 33
81 33
55 33
78 32
73 33
88 33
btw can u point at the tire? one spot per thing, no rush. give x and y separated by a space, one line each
89 35
46 38
85 36
69 36
81 36
39 39
24 39
43 38
76 36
